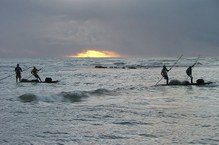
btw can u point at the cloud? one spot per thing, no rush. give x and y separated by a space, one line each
135 28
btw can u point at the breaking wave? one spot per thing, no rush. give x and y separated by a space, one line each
100 92
28 98
72 97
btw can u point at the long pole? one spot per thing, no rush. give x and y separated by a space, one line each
175 62
158 81
170 68
196 61
6 77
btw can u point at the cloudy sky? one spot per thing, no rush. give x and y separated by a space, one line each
137 28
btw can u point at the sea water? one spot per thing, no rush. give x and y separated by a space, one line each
117 104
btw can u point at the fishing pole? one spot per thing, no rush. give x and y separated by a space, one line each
170 68
196 61
12 74
158 81
175 62
6 77
29 76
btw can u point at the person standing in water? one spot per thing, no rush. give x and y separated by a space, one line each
164 74
18 71
34 73
189 72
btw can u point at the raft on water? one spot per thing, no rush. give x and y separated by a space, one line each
199 82
47 80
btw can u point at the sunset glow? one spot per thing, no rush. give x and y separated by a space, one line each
96 54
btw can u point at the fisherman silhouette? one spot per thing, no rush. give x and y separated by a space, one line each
34 73
164 74
189 72
18 71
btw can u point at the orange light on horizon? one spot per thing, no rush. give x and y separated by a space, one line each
96 54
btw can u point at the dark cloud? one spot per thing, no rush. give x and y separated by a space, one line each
132 27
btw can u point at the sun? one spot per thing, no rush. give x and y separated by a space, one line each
96 54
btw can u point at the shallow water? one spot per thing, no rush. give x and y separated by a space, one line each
116 105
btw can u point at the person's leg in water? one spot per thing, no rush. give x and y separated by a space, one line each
167 80
191 79
38 78
18 77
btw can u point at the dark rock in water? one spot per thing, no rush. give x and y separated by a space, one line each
200 82
99 66
132 67
174 82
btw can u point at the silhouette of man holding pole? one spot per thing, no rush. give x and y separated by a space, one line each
34 72
189 72
18 71
164 74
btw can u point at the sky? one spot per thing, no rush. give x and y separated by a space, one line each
134 28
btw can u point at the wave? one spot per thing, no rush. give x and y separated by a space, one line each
28 98
71 97
78 96
100 92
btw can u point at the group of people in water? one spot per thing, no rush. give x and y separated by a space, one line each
164 72
34 72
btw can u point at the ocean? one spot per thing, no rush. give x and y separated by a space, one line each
108 101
